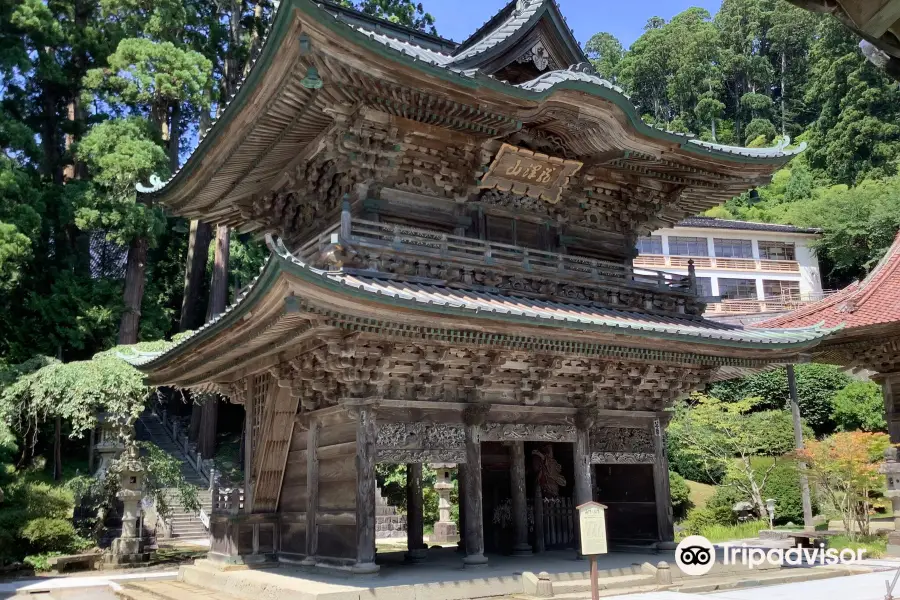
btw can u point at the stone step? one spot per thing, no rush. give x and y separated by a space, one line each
577 587
169 590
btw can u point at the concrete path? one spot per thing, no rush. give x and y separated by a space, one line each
869 586
92 586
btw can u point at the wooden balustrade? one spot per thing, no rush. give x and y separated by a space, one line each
425 244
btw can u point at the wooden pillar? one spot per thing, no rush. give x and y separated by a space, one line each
206 442
474 418
461 482
312 492
665 520
365 491
890 389
415 534
249 450
519 502
538 517
582 459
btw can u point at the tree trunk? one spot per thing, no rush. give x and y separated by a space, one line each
174 137
194 274
57 450
135 270
783 88
798 444
218 293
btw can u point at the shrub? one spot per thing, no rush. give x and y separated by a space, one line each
40 562
45 534
783 485
859 406
680 494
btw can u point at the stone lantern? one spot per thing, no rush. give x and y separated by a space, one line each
445 529
129 547
109 447
891 470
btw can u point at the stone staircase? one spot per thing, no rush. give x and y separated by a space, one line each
182 524
388 522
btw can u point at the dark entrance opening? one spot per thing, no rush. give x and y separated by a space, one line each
551 463
628 493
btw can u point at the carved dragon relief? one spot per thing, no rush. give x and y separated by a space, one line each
420 442
621 445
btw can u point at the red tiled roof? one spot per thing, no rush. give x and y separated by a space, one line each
873 301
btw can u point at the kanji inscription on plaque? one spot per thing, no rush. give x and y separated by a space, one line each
529 173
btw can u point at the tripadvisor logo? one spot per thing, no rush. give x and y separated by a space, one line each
696 555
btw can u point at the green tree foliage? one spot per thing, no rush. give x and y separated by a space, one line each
680 494
404 12
816 387
859 407
605 52
724 438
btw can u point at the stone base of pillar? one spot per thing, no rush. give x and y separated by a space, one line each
666 546
893 544
309 561
127 551
473 561
365 568
523 550
444 533
417 555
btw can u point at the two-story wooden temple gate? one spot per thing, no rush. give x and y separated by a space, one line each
452 230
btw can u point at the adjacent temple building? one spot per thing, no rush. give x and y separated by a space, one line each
453 229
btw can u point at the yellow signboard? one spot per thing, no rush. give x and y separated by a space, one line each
592 527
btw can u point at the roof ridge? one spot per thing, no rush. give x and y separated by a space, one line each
810 309
486 26
334 4
886 267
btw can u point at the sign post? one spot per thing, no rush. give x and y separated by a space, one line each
592 529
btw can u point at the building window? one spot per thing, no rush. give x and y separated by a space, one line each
650 245
680 245
704 286
777 251
737 289
733 248
774 289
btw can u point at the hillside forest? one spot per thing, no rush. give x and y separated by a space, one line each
97 96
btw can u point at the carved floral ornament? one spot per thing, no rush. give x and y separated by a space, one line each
528 173
538 55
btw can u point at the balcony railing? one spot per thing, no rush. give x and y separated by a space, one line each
424 245
745 307
725 264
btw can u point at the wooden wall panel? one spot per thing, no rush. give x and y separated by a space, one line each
337 541
293 497
337 434
293 538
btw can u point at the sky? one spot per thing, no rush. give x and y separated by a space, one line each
625 19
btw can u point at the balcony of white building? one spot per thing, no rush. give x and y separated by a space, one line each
748 271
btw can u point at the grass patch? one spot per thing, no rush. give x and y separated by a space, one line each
875 545
726 533
700 493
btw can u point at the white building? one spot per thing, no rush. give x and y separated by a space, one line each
752 267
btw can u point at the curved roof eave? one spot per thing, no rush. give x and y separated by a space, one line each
592 86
